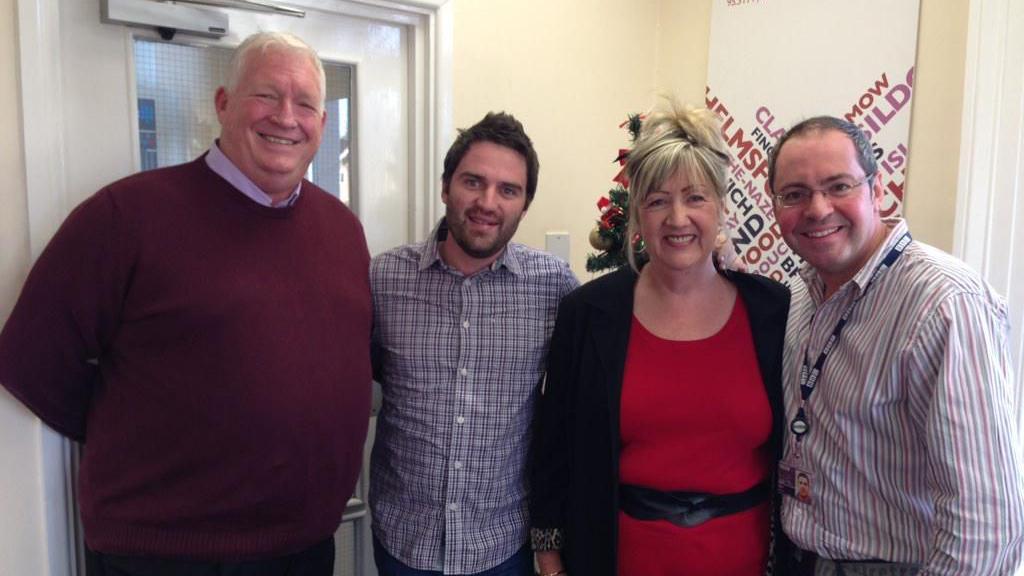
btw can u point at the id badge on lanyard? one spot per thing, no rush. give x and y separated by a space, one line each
795 477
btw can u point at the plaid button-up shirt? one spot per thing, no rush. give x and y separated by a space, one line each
460 360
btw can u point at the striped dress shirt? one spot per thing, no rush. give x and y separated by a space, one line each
913 449
459 360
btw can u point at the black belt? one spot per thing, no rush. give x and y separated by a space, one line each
686 509
805 564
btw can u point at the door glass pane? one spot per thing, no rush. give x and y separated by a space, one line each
175 84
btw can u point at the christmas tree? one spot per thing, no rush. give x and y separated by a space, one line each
609 235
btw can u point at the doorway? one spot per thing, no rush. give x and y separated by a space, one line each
89 121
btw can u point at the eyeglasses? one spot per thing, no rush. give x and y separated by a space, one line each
801 195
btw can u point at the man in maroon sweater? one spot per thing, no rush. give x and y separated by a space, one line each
204 331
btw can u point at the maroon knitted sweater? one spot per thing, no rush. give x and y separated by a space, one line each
213 355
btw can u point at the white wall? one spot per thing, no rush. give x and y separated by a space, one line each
990 204
22 549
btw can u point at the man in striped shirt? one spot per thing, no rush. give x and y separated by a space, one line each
903 455
461 328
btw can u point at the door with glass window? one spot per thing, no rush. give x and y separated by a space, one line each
176 122
134 100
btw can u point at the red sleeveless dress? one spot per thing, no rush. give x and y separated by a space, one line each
695 417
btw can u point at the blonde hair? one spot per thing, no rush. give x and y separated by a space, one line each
673 138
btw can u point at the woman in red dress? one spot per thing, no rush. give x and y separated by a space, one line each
658 428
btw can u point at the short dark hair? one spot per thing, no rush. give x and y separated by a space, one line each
865 155
501 129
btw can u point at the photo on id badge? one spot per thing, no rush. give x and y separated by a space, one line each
795 482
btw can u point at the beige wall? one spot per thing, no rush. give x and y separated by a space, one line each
935 121
571 71
683 42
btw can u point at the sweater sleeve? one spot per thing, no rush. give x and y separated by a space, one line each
66 314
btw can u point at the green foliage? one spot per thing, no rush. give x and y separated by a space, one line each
611 229
609 237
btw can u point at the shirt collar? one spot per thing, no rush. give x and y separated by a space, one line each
815 285
432 255
226 169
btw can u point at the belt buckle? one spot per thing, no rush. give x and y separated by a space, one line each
693 512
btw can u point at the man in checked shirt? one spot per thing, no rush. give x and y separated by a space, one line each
461 328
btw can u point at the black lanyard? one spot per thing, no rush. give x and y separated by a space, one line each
809 375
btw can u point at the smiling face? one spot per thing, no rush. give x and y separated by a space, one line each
273 119
679 221
838 236
485 200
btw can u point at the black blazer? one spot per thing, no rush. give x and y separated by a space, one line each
575 461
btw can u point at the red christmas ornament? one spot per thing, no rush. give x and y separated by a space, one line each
611 217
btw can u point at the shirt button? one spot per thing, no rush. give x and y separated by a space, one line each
460 420
458 465
453 506
463 371
465 323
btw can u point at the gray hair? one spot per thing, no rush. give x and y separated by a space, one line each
260 43
673 139
865 155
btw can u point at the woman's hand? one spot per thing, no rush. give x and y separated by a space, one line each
549 563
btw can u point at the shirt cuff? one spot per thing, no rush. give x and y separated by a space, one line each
544 539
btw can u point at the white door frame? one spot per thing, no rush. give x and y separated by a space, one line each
430 26
48 199
989 233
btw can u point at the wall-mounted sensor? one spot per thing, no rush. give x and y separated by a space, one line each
166 17
557 243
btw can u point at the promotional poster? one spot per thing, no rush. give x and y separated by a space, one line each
773 63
